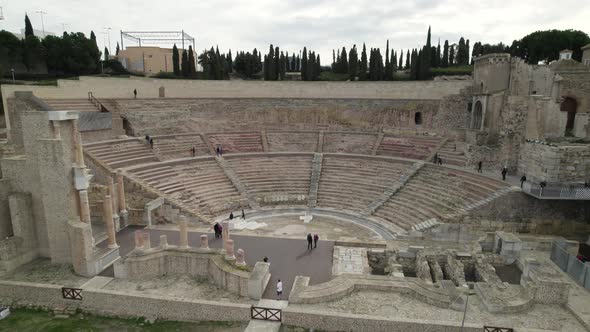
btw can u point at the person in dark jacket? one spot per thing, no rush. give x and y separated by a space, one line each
309 242
316 238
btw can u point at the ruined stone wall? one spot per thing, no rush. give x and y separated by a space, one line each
541 162
493 70
246 114
5 220
452 113
519 212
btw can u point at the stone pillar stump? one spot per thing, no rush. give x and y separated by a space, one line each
229 250
108 220
182 224
240 257
204 241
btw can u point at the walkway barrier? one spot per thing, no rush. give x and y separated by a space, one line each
497 329
71 293
576 269
574 191
270 314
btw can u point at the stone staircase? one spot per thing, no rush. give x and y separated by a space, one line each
468 208
121 153
415 147
316 172
426 225
371 208
450 155
231 175
78 105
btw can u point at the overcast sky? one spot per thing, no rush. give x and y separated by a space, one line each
318 24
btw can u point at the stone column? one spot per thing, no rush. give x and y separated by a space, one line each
241 257
108 220
146 240
138 239
225 231
229 250
204 241
182 224
111 187
84 207
163 242
123 214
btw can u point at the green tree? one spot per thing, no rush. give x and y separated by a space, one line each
546 45
304 65
438 55
28 27
408 59
401 60
363 67
461 52
191 61
175 60
271 62
282 66
230 62
445 58
451 55
11 52
353 64
184 64
276 64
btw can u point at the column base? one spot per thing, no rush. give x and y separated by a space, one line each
123 219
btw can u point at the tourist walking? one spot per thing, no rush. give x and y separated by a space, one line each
479 164
135 93
279 289
151 143
504 171
221 151
216 230
193 151
309 242
522 180
243 215
147 139
220 230
440 161
315 240
231 215
217 151
435 159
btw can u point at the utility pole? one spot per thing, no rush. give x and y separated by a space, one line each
108 32
41 13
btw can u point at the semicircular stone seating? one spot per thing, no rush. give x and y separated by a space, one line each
397 191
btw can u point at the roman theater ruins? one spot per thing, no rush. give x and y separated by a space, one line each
108 202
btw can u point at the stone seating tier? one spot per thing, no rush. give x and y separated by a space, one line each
352 183
83 105
292 141
122 153
264 176
408 147
237 142
173 147
435 192
349 143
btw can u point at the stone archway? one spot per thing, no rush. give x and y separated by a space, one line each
569 105
418 118
477 115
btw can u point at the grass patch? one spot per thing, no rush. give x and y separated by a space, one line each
455 70
25 320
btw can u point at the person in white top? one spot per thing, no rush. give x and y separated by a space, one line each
279 289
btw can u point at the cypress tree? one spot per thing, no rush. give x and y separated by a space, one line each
428 43
352 63
175 60
29 27
343 67
438 55
333 60
318 67
451 56
401 60
271 62
117 49
363 65
106 54
191 61
408 59
393 62
304 65
461 52
277 64
311 66
387 64
230 62
266 68
184 64
282 66
445 56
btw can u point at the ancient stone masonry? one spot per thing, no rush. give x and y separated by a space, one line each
390 191
316 172
555 163
236 182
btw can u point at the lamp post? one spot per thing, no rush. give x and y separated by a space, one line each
108 33
12 72
40 12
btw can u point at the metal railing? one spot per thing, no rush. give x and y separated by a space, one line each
96 103
270 314
575 191
497 329
71 293
570 264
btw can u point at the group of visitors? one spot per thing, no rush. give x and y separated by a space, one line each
218 229
312 241
231 215
437 160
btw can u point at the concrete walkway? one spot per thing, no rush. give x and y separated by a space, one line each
288 257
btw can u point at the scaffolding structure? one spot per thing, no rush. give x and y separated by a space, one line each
157 38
